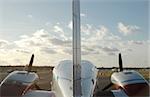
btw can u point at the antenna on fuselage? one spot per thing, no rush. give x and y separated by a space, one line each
76 49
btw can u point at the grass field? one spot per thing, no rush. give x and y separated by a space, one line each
45 75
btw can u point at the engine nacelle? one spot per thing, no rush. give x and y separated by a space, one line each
131 82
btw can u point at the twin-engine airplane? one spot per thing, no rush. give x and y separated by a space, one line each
74 78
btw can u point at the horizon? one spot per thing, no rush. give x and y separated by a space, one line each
44 28
50 66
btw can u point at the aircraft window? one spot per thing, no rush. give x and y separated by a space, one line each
11 82
14 82
128 73
21 73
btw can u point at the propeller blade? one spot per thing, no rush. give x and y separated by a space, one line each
120 62
30 63
107 87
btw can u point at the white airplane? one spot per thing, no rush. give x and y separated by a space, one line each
73 78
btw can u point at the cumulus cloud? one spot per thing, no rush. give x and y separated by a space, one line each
23 51
48 50
58 29
136 42
86 29
24 36
127 29
59 32
60 42
41 33
97 34
28 43
110 49
68 51
43 41
3 43
97 41
102 32
38 39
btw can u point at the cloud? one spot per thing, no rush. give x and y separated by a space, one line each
3 43
43 41
41 33
86 29
68 51
98 42
37 39
48 50
56 41
102 32
59 32
136 42
127 29
58 29
23 51
110 49
96 34
24 36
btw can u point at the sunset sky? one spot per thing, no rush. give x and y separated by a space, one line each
44 27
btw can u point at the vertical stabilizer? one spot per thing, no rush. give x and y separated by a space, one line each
76 49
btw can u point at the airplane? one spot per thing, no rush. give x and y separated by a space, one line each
125 83
23 84
72 78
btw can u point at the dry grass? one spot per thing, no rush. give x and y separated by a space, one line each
45 74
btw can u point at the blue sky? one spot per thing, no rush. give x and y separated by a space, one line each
44 27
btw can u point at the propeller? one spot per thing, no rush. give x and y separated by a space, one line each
30 68
120 63
30 63
120 70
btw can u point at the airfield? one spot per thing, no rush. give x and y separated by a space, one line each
45 75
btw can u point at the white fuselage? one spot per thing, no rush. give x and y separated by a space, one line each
63 79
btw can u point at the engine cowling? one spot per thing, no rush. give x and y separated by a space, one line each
131 82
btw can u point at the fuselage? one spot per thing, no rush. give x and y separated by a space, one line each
63 79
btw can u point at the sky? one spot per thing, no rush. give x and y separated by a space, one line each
44 27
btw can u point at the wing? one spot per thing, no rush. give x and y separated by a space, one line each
39 93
